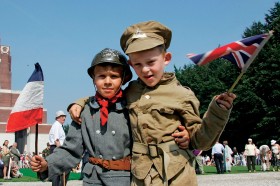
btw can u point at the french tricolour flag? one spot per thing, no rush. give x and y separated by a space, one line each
28 109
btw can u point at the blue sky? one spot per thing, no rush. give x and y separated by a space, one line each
63 36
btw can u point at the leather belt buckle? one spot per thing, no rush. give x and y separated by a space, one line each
153 150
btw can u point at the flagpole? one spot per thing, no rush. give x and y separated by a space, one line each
36 140
36 146
235 83
252 58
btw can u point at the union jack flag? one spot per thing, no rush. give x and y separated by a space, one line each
238 52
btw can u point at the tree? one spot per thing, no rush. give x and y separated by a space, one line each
256 110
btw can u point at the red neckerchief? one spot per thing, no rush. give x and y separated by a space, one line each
104 103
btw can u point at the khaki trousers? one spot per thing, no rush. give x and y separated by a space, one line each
186 176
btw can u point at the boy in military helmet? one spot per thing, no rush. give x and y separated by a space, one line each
158 104
104 133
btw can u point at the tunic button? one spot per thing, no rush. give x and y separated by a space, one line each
144 126
100 156
113 132
98 132
147 96
114 158
149 139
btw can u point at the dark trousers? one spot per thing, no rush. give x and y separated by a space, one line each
251 162
218 158
1 170
52 147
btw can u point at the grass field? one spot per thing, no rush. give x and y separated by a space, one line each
30 176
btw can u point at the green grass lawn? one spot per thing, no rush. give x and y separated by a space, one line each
30 176
234 169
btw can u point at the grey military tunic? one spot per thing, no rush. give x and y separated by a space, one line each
109 142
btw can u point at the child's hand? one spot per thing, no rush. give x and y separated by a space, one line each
225 100
75 112
182 138
38 164
57 142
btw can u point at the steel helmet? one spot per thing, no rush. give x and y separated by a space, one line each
108 55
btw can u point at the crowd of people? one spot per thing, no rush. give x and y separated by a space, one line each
223 157
266 156
11 160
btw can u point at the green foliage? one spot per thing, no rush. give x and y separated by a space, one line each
66 128
257 107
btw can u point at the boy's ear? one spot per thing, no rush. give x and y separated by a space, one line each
167 58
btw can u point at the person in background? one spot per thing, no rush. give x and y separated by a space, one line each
198 161
207 160
243 159
15 153
275 159
1 165
57 134
46 151
56 139
217 155
250 153
236 157
6 159
227 157
258 158
15 173
264 156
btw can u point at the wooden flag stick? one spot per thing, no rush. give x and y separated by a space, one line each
36 140
235 83
36 146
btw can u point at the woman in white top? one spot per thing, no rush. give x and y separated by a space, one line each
6 159
250 153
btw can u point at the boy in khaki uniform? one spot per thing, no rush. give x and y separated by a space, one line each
158 105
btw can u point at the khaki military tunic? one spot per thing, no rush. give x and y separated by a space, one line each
155 113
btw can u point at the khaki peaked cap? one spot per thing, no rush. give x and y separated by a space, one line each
144 36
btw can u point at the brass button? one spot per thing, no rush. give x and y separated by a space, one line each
144 126
147 96
149 139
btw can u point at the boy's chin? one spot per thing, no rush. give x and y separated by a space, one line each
151 84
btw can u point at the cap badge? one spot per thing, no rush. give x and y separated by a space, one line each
108 53
138 34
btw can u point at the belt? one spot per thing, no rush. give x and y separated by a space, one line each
154 150
121 164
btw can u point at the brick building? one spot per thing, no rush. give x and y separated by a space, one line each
8 97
